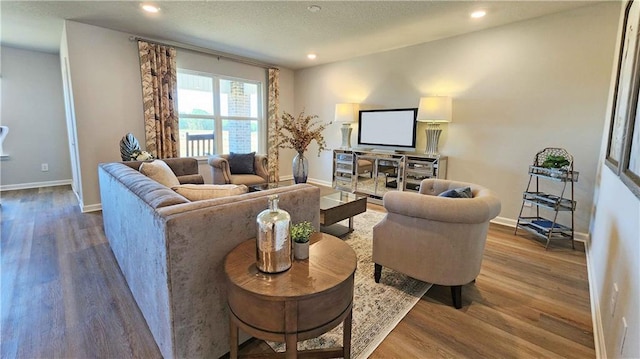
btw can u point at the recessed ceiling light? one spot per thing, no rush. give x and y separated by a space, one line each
150 8
314 8
478 14
311 56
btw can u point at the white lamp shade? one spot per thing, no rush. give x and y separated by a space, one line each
346 112
435 109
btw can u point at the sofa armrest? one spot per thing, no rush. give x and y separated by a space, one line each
261 167
219 169
479 209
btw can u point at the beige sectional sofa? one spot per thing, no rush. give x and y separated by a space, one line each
171 252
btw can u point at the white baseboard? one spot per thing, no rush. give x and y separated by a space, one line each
579 236
91 207
505 221
83 208
596 314
320 183
13 187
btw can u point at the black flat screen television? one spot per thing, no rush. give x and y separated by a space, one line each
388 128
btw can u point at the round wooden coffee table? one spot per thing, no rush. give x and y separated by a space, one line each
309 299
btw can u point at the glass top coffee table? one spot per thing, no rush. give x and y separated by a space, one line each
339 206
335 207
266 186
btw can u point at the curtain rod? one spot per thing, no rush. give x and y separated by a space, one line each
218 54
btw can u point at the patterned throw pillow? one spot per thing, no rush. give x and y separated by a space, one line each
242 163
457 193
198 192
159 171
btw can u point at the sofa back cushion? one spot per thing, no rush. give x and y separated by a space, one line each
159 171
198 192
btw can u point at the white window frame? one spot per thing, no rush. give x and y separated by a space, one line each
217 116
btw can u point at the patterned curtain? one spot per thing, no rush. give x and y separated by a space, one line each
273 130
159 95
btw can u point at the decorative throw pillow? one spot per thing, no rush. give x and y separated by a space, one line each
159 171
457 193
198 192
242 163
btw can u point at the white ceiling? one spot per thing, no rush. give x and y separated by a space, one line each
274 32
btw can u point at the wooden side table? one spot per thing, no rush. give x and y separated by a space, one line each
309 299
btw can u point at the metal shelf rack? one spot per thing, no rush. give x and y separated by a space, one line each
544 224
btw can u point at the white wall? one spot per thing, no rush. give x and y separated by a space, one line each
107 94
33 108
614 254
516 89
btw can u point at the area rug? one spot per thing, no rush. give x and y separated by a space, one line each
377 307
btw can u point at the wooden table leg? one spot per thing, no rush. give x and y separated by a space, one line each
346 336
291 328
233 338
292 346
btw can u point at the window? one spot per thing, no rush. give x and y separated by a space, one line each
219 114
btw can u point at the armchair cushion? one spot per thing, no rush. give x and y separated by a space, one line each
457 193
198 192
242 163
160 172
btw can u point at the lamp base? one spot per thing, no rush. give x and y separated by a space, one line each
346 136
433 132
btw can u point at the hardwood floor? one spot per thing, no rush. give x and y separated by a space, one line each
63 295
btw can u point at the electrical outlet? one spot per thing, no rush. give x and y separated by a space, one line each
45 167
624 335
614 298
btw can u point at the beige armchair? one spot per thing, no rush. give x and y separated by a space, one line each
221 171
435 239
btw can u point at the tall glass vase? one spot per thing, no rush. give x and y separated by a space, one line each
300 168
274 252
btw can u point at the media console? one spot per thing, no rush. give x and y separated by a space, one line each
373 173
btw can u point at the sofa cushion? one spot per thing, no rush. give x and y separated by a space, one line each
197 192
464 192
242 163
160 172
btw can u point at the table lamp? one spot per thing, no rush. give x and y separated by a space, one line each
434 110
346 113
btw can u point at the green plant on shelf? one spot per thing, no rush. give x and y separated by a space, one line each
553 161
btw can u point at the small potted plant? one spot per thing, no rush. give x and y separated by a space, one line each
555 162
556 165
300 233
